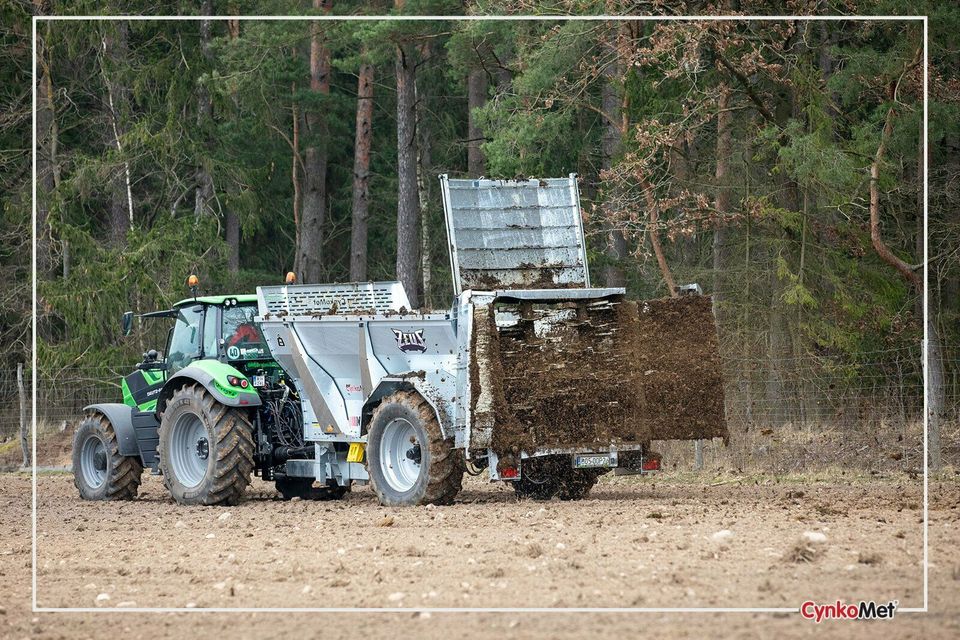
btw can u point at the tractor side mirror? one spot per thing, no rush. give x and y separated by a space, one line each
126 323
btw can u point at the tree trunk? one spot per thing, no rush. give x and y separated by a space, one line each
476 98
934 376
408 207
654 228
423 195
658 252
203 192
828 39
722 204
231 221
423 184
679 166
48 165
934 381
295 165
616 249
907 271
777 351
114 54
361 174
231 235
24 429
309 257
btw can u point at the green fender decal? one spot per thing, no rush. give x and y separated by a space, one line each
151 377
230 392
127 396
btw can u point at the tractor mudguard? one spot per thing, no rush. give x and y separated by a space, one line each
392 384
212 374
121 418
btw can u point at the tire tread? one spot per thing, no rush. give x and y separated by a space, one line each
234 448
446 467
124 480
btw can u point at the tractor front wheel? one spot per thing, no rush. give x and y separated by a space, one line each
99 471
408 459
206 449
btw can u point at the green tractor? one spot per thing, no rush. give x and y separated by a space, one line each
193 415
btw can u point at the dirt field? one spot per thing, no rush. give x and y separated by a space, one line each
672 542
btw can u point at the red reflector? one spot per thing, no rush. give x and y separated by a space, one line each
244 401
509 472
652 464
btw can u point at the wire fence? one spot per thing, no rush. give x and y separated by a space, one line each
783 414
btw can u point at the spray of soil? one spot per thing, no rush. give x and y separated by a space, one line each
678 357
592 373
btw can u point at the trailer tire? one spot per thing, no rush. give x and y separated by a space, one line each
100 472
540 479
206 449
576 484
544 489
303 488
428 472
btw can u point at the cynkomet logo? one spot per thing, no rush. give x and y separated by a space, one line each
843 611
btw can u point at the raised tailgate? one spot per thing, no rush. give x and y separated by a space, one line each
515 234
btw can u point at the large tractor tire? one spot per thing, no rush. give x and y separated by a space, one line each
408 460
303 488
99 471
206 449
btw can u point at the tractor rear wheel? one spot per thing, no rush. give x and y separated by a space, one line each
206 449
408 460
99 471
303 488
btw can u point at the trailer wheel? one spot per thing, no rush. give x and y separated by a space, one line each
576 484
539 478
99 471
408 460
206 449
303 488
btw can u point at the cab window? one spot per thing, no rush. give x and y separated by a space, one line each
210 333
241 336
185 340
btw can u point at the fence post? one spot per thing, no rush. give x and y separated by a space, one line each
698 454
22 392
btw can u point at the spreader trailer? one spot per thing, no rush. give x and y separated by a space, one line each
532 376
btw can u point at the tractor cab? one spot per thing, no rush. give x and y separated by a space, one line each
218 328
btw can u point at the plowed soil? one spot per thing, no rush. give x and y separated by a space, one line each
637 543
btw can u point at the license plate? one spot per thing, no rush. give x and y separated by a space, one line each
259 381
592 460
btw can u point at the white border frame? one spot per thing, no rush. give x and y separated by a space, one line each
519 18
